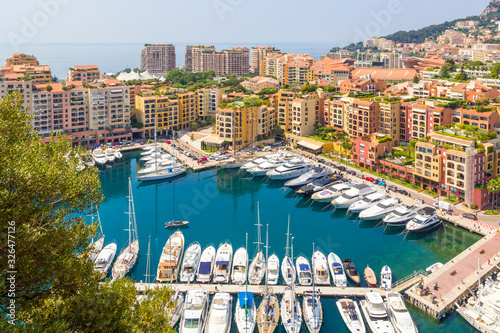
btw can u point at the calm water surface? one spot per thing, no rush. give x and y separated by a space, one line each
223 206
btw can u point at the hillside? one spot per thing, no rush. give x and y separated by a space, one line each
493 7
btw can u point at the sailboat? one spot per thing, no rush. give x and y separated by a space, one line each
128 257
245 314
162 174
256 270
313 311
268 314
96 246
287 267
291 313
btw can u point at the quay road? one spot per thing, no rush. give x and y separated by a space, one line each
324 291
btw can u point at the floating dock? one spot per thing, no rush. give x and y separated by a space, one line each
456 279
324 291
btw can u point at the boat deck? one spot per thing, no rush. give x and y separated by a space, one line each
457 278
260 289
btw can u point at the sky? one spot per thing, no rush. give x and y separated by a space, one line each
221 21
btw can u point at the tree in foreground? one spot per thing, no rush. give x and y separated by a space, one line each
42 200
493 187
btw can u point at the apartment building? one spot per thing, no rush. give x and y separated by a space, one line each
389 120
283 104
39 74
363 85
202 58
422 119
188 109
87 74
257 55
306 112
259 82
244 124
363 117
366 150
165 107
333 71
158 59
335 114
488 121
21 59
288 68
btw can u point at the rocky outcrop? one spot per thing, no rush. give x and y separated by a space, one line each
493 7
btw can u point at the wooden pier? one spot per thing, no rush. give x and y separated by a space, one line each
324 291
457 278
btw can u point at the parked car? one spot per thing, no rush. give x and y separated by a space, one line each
470 216
378 180
341 168
403 192
381 184
351 172
370 179
393 188
195 158
360 175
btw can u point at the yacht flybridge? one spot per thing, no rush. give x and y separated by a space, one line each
308 177
426 219
292 169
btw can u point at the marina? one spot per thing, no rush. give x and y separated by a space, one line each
229 195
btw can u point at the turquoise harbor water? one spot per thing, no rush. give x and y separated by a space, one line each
223 206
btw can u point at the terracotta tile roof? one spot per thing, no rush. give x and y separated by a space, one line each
86 67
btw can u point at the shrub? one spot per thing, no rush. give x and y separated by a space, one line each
473 206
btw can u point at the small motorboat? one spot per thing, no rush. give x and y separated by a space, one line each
206 265
240 264
175 224
351 271
223 263
190 263
370 277
349 311
273 270
386 278
336 270
434 267
303 271
320 269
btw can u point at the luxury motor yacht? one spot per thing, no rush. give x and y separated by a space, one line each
401 215
190 263
331 192
206 266
380 210
223 261
273 270
264 168
170 259
99 156
367 202
426 219
308 177
195 311
303 271
240 264
318 185
356 193
292 169
256 162
105 259
220 314
337 270
320 269
349 311
398 314
375 313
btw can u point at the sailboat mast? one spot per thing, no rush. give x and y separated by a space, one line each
134 221
129 210
314 286
155 152
287 237
148 265
99 220
258 228
246 284
293 291
267 253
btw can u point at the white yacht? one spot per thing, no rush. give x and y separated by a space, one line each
99 156
190 263
170 259
195 311
240 264
349 311
245 314
273 270
292 169
152 168
150 150
264 168
380 210
426 219
398 314
386 278
482 312
375 313
401 215
288 271
110 155
223 261
331 193
313 312
303 271
367 202
257 269
206 266
175 315
118 155
355 193
163 174
337 270
163 160
220 314
105 259
307 177
256 162
291 313
320 269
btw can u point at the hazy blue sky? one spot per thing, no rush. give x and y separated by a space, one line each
218 21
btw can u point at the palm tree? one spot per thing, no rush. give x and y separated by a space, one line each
494 187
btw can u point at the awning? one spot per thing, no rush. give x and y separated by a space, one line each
336 265
205 267
304 267
223 263
245 298
309 145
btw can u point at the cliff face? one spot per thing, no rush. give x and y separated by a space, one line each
493 7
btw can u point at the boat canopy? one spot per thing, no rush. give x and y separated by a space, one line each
205 267
304 267
336 265
222 263
246 298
